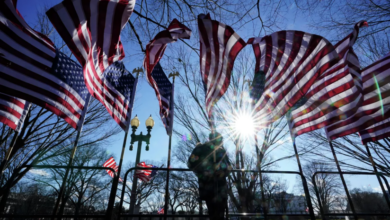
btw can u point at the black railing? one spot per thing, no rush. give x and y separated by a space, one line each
260 215
59 215
200 215
323 214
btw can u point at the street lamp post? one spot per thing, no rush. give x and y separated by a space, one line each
138 138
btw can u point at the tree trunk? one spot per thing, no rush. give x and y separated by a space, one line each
63 203
3 201
78 205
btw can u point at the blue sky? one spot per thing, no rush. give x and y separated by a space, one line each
146 103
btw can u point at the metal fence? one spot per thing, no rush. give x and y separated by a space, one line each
261 215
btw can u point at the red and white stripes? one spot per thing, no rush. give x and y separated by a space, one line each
13 111
375 107
111 164
154 51
219 47
292 61
91 29
155 48
336 94
26 64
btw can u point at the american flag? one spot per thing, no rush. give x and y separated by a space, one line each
13 111
164 92
111 164
376 132
155 48
160 211
257 87
219 47
91 29
291 60
337 93
122 80
290 123
371 117
256 90
155 75
145 175
27 69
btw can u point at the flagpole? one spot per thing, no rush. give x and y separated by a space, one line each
14 139
4 163
304 183
379 179
171 110
3 166
62 189
258 152
115 181
343 181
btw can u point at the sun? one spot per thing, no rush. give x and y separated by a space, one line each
244 125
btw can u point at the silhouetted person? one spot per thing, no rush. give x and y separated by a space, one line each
211 165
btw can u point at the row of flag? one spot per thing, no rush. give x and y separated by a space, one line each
295 65
144 175
33 70
320 85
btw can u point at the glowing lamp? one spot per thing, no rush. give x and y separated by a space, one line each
149 122
134 122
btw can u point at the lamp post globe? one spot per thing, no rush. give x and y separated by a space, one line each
134 122
149 122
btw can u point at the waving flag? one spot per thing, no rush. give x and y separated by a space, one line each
370 118
145 175
292 61
257 87
337 93
111 164
32 69
160 211
125 83
290 121
164 92
376 132
13 111
219 47
155 48
91 29
156 76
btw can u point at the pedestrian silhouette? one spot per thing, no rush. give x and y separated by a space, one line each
210 164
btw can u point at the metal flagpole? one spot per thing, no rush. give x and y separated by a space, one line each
259 158
14 139
8 153
379 179
115 181
343 181
3 166
62 189
304 183
171 109
133 196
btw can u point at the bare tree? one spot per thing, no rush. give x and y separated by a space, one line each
336 18
367 201
146 191
43 132
190 114
329 186
83 187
